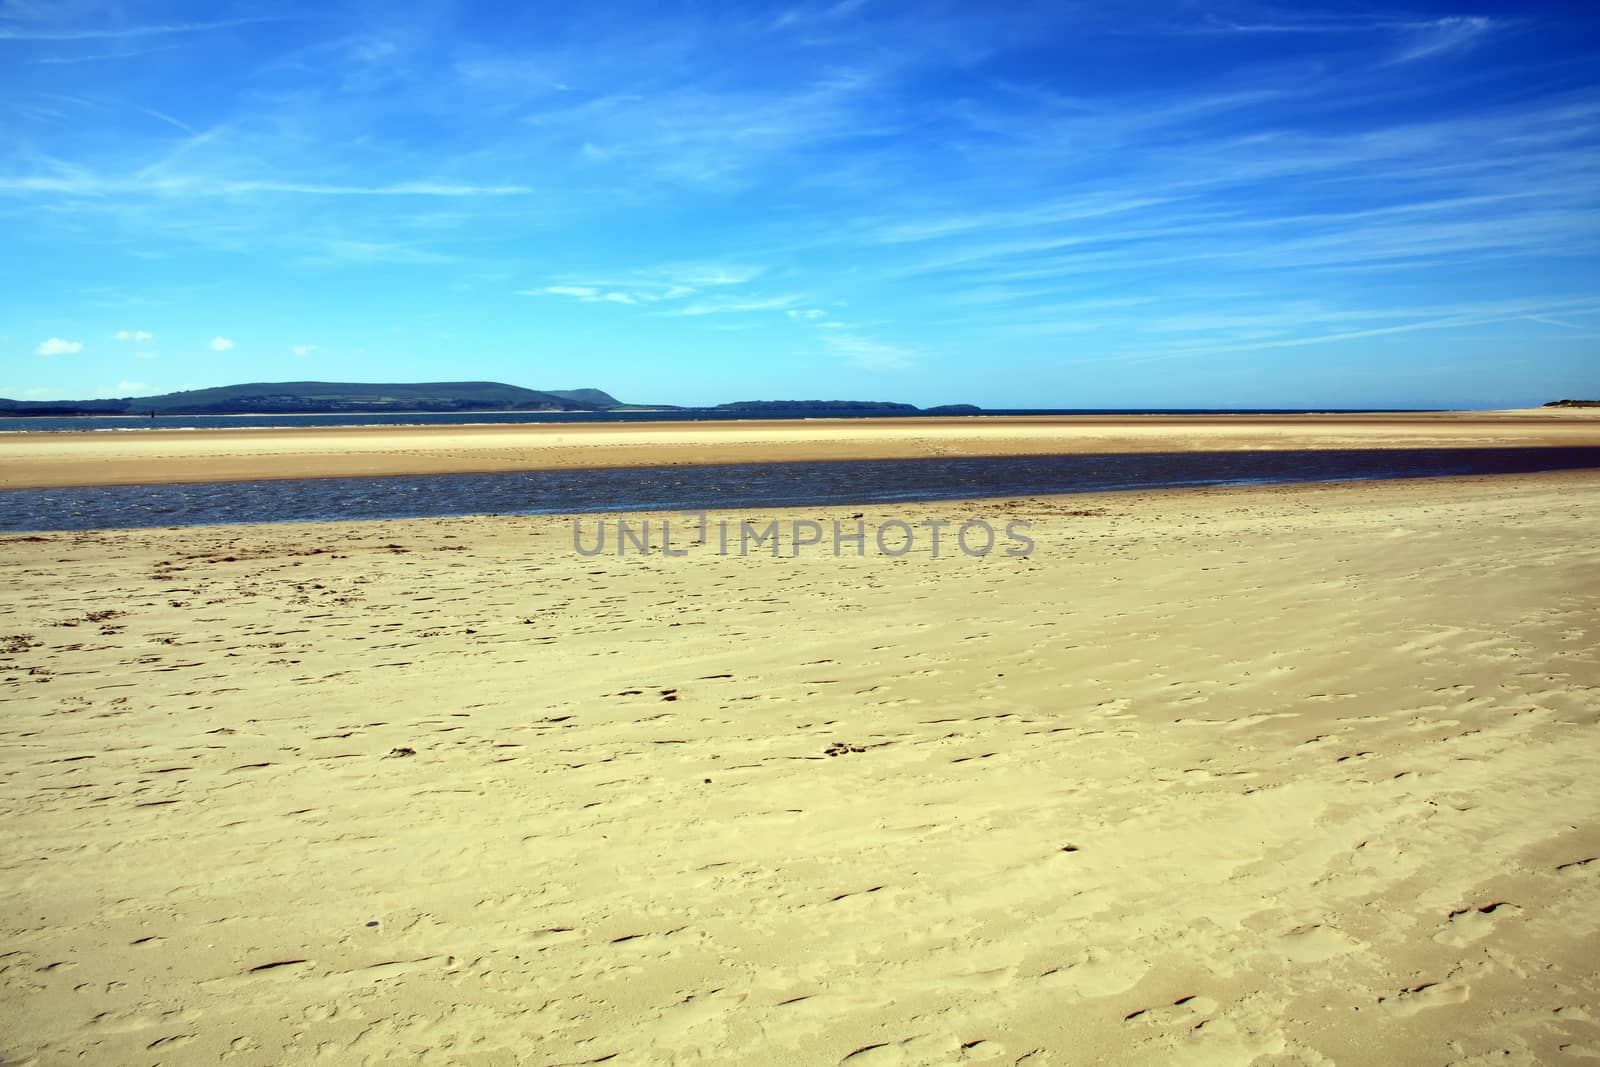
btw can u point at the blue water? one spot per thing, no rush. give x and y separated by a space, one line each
81 423
832 484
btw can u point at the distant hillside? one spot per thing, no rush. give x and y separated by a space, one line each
48 408
334 398
307 398
595 397
1573 404
815 408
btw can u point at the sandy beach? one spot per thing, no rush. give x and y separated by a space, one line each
138 456
1277 775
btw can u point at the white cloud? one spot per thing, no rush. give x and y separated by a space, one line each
673 281
806 314
57 347
220 344
596 294
725 307
302 351
138 337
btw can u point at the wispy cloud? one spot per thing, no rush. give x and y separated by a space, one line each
1291 331
139 337
671 282
737 306
100 57
33 33
1550 321
1455 34
589 294
323 249
707 275
697 134
1094 206
208 186
55 346
810 16
220 344
162 116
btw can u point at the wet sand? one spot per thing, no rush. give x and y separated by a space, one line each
136 457
1280 775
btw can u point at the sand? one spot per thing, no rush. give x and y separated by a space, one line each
139 456
1284 775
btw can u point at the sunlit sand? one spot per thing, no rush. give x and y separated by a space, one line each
146 456
1276 774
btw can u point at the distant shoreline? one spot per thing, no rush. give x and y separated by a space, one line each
629 415
302 420
716 415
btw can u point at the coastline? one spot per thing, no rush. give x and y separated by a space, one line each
1209 774
66 458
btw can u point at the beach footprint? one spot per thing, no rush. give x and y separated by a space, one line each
1474 922
1314 942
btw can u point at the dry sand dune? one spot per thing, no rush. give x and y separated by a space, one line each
143 456
1295 775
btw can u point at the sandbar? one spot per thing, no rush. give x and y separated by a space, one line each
138 457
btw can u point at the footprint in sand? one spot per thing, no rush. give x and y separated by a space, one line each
1185 1013
1469 924
1419 998
1095 973
1314 942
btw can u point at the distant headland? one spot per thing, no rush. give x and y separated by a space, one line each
338 398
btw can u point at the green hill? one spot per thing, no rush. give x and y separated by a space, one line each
316 398
335 398
283 398
596 397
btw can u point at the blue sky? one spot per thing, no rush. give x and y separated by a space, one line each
1054 205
